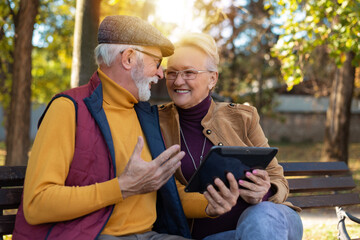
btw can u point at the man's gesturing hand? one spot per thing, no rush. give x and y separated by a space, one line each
141 177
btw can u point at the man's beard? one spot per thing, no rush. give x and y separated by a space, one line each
142 82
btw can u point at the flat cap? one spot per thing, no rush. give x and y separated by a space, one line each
121 29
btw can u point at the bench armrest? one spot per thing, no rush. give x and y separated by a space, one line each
342 215
352 217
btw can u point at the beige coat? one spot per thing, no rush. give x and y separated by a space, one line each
228 124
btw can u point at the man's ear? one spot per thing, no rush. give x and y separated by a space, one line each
128 58
213 80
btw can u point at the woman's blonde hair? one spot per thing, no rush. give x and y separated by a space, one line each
204 42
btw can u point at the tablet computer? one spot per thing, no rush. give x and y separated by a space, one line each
223 159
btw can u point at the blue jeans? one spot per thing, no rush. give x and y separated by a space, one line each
264 221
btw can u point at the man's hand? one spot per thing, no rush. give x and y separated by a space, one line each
141 177
255 190
221 201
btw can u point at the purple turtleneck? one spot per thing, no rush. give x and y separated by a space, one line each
190 123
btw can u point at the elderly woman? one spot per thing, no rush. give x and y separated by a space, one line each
197 123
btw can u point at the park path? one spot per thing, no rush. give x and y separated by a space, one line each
319 221
326 215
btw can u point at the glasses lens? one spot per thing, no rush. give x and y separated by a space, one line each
152 55
171 75
189 74
158 64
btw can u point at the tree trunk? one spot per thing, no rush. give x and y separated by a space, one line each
85 41
338 114
18 128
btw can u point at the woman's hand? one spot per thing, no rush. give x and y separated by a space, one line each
221 201
255 191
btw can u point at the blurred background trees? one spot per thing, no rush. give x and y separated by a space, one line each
265 46
31 71
23 15
85 38
245 34
332 26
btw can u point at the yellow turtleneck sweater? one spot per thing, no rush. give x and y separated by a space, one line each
46 199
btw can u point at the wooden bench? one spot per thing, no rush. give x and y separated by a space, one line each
11 183
312 185
320 185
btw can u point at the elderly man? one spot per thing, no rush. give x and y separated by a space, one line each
98 167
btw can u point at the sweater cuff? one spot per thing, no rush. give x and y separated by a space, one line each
111 192
269 194
195 205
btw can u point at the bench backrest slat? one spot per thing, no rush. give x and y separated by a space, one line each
314 168
10 198
12 175
321 184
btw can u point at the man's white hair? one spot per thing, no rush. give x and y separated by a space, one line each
106 53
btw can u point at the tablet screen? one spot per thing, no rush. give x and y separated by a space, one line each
223 159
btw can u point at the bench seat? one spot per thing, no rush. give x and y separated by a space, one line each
320 185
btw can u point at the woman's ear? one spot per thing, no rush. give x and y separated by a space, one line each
128 58
213 80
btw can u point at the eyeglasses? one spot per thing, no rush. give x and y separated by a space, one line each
152 55
187 74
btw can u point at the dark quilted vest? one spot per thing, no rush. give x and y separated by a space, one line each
93 162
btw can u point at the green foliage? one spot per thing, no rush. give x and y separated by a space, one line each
6 51
140 8
50 75
53 43
51 57
243 31
313 23
52 54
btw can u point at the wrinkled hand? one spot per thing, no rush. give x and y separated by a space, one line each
221 201
141 177
256 189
